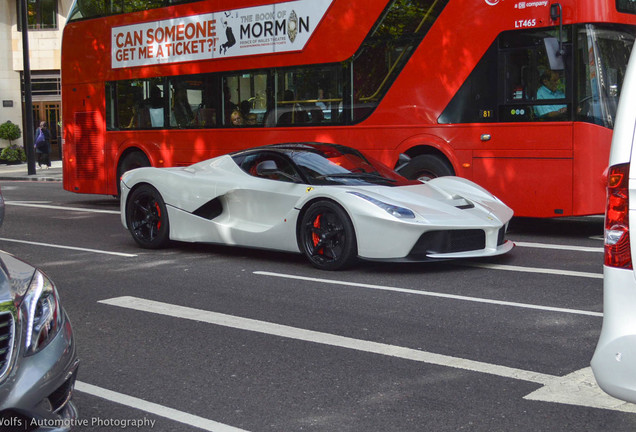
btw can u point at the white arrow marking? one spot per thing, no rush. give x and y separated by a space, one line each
579 388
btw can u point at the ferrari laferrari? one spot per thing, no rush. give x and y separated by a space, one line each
329 202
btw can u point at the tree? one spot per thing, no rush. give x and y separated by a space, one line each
10 132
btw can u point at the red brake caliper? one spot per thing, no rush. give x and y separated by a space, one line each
315 238
158 214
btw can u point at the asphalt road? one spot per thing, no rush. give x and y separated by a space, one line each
204 337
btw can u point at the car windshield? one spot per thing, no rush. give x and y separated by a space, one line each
332 165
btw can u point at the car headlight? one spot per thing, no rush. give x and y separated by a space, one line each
394 210
42 313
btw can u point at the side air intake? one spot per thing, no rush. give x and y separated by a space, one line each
209 210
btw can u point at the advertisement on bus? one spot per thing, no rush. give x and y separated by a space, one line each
281 27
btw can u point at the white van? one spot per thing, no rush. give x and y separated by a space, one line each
614 361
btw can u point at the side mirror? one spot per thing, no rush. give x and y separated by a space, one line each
556 13
267 167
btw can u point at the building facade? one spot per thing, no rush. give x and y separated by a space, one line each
46 19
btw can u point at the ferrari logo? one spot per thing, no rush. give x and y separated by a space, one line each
309 189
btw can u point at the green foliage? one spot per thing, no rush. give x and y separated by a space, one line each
13 154
97 8
10 131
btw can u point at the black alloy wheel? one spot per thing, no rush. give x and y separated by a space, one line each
327 237
147 218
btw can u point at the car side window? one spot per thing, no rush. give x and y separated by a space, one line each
270 166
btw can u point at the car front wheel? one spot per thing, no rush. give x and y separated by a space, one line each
147 218
327 237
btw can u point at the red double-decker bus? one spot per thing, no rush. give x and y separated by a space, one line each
518 96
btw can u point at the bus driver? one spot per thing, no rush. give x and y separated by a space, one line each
550 90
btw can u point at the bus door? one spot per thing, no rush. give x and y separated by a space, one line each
535 181
517 109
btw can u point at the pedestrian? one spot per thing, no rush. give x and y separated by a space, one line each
43 145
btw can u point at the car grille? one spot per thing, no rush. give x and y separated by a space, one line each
441 242
7 333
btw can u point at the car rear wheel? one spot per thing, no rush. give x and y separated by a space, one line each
147 218
327 237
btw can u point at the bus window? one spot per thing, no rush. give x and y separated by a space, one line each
134 6
122 104
519 79
627 6
535 77
186 97
387 49
245 100
476 100
84 9
307 96
137 104
603 51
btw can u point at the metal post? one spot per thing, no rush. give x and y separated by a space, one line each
28 100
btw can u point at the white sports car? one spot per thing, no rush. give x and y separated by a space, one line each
327 201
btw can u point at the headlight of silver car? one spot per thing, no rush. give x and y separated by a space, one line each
42 313
394 210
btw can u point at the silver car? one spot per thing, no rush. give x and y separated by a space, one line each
38 359
614 361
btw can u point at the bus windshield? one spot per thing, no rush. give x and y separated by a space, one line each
603 51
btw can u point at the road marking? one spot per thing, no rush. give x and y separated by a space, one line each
69 247
556 388
559 247
52 207
579 388
321 338
153 408
432 294
532 270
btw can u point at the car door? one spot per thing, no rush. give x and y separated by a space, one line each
262 210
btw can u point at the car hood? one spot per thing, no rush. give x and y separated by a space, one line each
443 201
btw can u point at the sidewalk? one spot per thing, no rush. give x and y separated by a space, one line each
20 172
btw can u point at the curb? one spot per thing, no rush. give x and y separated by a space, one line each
29 178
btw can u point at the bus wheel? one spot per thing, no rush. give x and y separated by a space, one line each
131 161
147 217
425 167
327 237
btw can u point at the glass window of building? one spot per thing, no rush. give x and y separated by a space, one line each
41 14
